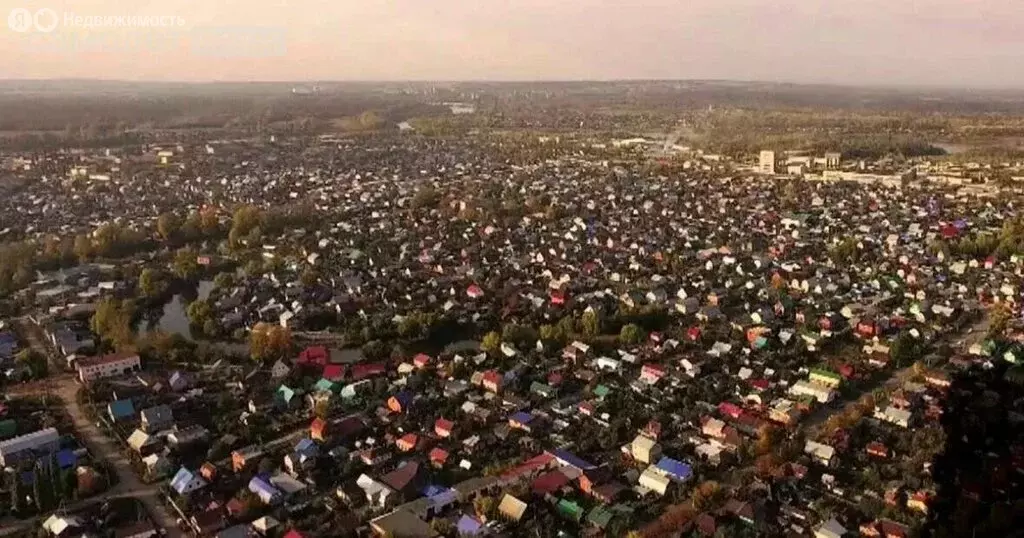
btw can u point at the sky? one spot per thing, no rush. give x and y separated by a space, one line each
956 43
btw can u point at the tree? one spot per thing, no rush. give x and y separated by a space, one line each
224 280
706 494
632 334
491 342
83 248
34 361
199 312
167 225
186 264
112 322
485 506
591 324
269 341
426 196
151 285
309 277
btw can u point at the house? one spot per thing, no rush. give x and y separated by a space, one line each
157 418
157 465
401 523
187 436
492 381
438 456
178 381
421 360
302 457
318 429
407 442
674 469
877 449
266 491
120 410
893 415
822 394
244 457
43 441
919 501
654 480
521 420
90 369
404 480
825 378
142 442
821 453
400 402
280 369
511 508
830 529
284 396
186 481
61 526
443 428
884 528
644 449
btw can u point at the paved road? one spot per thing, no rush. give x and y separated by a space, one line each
101 446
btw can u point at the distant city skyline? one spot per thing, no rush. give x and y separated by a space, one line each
943 43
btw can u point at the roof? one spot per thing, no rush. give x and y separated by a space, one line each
512 507
402 477
674 468
402 523
468 525
183 478
567 458
105 359
28 441
121 408
158 415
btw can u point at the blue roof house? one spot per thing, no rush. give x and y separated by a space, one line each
186 481
121 410
674 469
263 489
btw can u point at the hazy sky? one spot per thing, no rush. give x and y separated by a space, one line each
973 43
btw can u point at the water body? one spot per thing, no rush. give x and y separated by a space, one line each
174 319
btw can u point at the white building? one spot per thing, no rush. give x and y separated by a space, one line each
766 162
107 366
46 440
819 392
654 480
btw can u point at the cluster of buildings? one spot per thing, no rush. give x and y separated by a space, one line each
575 342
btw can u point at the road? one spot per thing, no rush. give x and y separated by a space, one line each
99 445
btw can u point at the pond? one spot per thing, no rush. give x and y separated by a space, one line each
174 319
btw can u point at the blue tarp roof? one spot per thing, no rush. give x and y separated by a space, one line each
674 468
522 417
571 460
122 408
66 459
468 525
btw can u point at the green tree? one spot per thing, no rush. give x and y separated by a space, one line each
199 312
491 342
224 280
34 361
168 225
83 248
112 322
632 334
186 264
591 324
151 284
